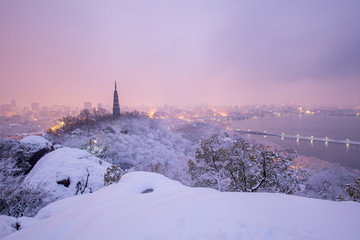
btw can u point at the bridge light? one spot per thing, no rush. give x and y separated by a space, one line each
282 136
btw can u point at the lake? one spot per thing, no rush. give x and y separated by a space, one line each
333 127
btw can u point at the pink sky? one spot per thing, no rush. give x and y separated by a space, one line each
183 53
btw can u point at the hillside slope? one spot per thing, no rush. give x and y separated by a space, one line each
150 206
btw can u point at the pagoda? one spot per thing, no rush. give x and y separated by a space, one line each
116 106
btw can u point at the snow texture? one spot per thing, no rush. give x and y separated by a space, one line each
68 165
130 210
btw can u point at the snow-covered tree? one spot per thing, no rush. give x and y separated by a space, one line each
229 165
209 168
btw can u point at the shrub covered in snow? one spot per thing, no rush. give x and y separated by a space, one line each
16 160
353 192
113 175
20 200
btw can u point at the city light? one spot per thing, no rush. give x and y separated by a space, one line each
151 114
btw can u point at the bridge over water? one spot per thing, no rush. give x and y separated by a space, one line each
298 137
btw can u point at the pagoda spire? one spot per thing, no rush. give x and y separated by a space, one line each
116 106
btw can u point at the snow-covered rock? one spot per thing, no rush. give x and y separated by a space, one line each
36 147
36 143
66 172
26 152
150 206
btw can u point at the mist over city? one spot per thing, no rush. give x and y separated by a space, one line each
179 119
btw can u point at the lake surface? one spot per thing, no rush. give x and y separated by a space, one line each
333 127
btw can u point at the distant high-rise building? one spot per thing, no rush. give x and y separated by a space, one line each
87 105
116 106
35 106
99 105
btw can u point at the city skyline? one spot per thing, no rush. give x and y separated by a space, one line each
183 53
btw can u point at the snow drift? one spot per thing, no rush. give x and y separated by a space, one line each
7 225
150 206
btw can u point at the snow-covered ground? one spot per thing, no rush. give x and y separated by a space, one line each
150 206
7 225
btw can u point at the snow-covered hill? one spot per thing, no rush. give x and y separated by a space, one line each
142 144
150 206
